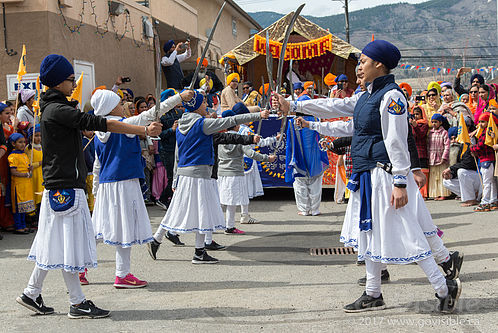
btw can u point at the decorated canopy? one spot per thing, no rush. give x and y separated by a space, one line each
309 41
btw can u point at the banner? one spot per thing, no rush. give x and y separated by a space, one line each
296 51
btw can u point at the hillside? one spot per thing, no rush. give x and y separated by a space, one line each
460 25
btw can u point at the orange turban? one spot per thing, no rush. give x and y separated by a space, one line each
308 84
204 62
330 79
492 102
267 87
404 85
98 88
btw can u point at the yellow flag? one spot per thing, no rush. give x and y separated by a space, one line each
78 91
22 65
36 103
490 141
463 134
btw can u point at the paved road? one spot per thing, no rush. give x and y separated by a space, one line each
267 281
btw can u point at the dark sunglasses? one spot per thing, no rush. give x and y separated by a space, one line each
431 95
474 92
245 88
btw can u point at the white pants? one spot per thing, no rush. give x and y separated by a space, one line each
123 261
72 280
428 265
488 186
308 193
466 185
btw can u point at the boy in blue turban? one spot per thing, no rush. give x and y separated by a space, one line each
385 200
65 239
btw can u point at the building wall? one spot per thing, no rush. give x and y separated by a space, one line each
43 32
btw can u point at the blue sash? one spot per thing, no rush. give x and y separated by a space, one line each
363 181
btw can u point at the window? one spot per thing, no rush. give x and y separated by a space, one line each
234 26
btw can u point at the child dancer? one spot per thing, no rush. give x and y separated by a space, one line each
486 157
21 187
195 205
252 176
120 217
438 146
384 191
232 184
34 150
65 239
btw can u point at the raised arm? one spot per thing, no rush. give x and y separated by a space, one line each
212 126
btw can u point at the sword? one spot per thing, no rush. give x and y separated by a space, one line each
211 34
281 63
296 127
262 103
269 66
157 51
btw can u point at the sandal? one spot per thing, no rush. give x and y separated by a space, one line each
482 208
494 206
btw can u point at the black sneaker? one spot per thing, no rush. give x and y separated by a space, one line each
201 257
360 263
384 278
452 267
366 303
153 247
161 204
87 310
447 304
214 246
175 239
37 306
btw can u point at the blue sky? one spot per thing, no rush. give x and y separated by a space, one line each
313 7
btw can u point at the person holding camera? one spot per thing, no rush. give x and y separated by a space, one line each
171 62
343 89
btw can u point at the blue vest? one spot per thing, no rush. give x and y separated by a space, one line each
120 158
195 148
367 146
174 75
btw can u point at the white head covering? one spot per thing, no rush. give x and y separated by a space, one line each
27 94
104 101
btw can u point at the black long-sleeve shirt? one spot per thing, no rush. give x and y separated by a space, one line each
63 164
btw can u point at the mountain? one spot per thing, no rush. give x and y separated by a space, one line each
442 31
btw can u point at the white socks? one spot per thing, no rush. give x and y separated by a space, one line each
199 240
123 261
230 216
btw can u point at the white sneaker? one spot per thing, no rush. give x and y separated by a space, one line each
247 219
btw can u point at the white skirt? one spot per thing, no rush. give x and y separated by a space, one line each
119 216
65 240
195 207
394 237
233 190
253 181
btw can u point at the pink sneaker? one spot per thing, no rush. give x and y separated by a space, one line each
129 281
234 231
83 279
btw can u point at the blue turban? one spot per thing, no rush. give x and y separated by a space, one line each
383 52
3 106
195 102
130 92
30 131
167 46
240 108
14 137
228 113
54 69
438 116
167 94
298 85
453 131
478 77
341 77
